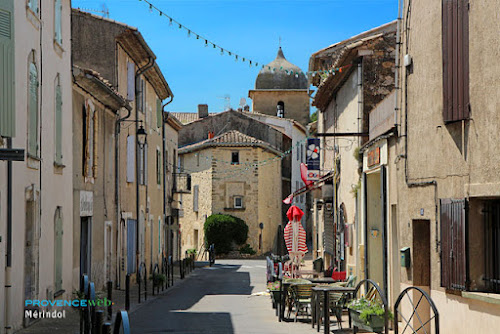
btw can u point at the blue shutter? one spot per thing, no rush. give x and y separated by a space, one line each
7 97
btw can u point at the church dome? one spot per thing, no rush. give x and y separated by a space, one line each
279 79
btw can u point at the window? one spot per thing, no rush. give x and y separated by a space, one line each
280 112
58 123
197 159
33 5
57 21
195 198
235 158
7 93
159 113
130 158
33 108
455 60
238 202
143 164
89 143
158 166
141 101
130 81
492 245
58 247
298 152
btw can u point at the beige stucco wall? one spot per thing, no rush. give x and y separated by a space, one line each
102 186
53 185
296 103
462 157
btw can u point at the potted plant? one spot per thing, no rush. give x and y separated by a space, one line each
368 314
274 290
158 279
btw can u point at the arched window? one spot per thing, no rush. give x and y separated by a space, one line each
280 109
32 106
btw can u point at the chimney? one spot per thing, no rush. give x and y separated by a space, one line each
202 110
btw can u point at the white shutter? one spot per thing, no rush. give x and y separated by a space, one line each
130 158
130 81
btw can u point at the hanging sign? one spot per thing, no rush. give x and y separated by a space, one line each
312 159
374 156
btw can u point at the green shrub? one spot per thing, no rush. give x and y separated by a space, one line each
247 249
223 230
191 251
158 279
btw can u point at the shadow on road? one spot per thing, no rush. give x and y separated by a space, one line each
170 313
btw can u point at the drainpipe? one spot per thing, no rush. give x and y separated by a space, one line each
397 87
8 268
164 147
139 72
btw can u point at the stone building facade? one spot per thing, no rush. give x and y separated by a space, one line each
234 174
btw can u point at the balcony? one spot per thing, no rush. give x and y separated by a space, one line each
182 183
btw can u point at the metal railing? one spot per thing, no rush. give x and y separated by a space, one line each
92 315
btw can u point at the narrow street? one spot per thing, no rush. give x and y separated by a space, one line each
216 300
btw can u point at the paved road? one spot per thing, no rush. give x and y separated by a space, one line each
216 300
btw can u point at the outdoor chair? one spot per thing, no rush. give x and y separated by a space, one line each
289 294
335 303
301 297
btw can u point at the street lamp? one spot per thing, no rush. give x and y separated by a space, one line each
141 134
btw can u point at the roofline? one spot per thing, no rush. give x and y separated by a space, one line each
174 122
356 37
103 86
294 122
211 144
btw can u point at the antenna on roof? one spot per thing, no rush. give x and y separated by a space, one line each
104 11
227 104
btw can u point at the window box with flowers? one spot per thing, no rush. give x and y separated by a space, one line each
368 314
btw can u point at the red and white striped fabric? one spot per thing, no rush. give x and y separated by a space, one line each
297 244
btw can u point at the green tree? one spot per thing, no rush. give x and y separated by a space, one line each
224 230
314 116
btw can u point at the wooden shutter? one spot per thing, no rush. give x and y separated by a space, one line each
58 124
130 158
159 113
57 21
58 246
130 81
453 244
7 97
456 103
33 111
195 198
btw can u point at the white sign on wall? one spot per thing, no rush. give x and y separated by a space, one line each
86 203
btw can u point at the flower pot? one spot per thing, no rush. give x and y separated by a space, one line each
375 322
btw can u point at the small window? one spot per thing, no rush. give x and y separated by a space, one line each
280 112
33 5
57 21
238 202
235 158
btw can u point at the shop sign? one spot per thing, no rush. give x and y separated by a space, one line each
86 203
374 156
312 159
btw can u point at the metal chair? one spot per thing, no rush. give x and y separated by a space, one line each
301 296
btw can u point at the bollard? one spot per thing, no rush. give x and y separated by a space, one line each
110 296
181 269
106 328
127 292
99 320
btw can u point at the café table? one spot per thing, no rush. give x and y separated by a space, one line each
326 290
322 280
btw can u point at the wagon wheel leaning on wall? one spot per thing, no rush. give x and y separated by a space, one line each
423 312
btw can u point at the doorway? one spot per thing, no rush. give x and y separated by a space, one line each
85 246
131 242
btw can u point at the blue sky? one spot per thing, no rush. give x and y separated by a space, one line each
250 28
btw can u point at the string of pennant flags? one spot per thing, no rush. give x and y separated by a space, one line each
223 51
